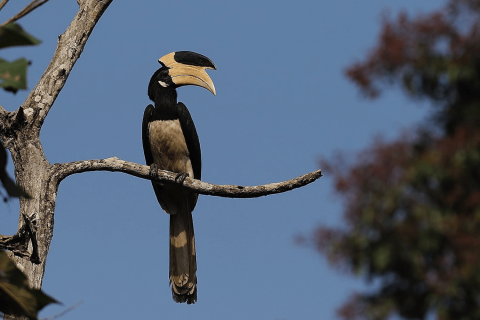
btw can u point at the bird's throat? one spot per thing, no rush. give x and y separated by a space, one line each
165 104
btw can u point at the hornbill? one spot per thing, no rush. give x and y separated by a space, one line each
170 142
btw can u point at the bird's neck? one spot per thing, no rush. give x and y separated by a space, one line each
165 103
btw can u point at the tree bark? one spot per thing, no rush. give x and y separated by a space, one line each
62 170
19 131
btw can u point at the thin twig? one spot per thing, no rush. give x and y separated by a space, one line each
29 8
60 171
3 3
61 314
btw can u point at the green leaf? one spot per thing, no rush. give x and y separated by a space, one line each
382 257
14 74
16 296
13 35
12 189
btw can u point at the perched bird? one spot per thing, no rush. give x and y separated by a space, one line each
170 142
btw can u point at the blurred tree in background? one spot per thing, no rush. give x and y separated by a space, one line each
412 206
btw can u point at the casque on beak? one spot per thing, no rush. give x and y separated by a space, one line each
189 68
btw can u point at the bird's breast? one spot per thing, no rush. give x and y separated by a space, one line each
168 146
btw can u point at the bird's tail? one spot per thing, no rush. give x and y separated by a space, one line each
183 261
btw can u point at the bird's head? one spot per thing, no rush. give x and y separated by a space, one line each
182 68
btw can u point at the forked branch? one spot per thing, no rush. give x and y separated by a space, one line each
18 243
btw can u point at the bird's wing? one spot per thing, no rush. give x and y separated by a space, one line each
193 146
191 138
147 118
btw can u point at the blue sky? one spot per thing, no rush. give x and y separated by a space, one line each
282 102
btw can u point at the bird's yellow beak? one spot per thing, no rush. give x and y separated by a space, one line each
189 72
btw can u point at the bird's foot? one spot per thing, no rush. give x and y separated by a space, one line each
181 177
154 170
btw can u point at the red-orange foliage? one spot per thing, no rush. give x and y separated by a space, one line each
414 51
412 206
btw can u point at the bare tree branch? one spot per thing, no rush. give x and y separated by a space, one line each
64 312
30 7
69 48
60 171
3 3
18 243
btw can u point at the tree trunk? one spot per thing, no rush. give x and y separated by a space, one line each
20 131
31 173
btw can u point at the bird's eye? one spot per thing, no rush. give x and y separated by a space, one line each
163 84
